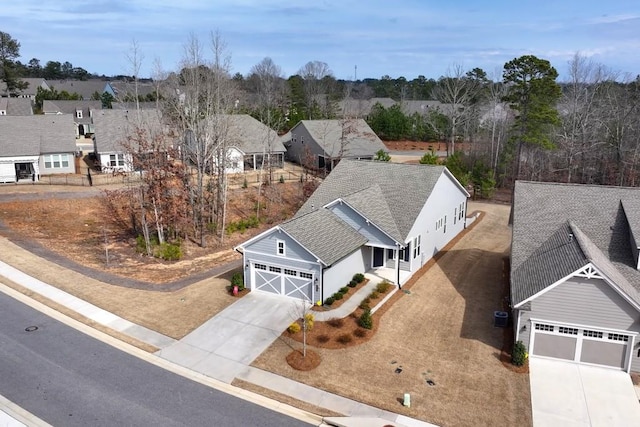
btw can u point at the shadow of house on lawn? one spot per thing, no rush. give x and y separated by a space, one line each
481 278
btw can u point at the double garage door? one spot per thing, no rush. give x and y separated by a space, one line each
595 347
274 279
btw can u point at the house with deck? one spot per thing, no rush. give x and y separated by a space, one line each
575 279
387 217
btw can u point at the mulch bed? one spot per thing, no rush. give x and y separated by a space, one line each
301 362
338 303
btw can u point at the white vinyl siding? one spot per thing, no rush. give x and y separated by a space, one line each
56 161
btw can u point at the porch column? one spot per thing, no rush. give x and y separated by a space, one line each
397 257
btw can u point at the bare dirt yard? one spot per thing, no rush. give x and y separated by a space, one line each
72 223
441 332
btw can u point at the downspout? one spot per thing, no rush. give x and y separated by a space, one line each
398 267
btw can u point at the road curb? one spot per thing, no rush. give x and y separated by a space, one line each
249 396
20 414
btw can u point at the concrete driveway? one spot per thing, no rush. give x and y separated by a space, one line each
569 394
227 343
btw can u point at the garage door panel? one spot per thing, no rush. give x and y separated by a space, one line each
604 353
557 346
268 282
298 288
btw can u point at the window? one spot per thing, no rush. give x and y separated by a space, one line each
306 275
275 269
280 247
3 112
56 161
79 114
592 334
116 160
461 214
290 272
568 331
455 215
259 266
543 327
416 247
617 337
439 224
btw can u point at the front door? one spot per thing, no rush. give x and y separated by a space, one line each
378 257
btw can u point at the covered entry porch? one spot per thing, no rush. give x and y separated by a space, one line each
389 263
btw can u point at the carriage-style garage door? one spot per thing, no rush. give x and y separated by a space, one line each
581 345
283 281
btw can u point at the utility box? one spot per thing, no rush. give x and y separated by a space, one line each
500 319
407 400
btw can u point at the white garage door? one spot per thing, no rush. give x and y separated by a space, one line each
596 347
293 283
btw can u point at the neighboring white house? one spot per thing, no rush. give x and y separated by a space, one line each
118 134
575 279
31 146
366 215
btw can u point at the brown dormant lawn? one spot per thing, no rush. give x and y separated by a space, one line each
442 331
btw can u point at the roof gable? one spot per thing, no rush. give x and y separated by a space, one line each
398 190
37 134
343 138
115 128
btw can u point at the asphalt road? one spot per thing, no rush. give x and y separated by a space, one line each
67 378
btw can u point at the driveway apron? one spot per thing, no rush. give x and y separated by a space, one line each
568 394
227 343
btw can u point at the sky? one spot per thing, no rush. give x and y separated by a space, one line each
357 39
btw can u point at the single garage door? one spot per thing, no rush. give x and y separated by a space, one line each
595 347
293 283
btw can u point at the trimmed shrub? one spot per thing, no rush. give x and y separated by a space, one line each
344 339
237 280
358 277
343 290
322 338
383 286
364 305
309 319
281 180
294 328
335 322
374 294
519 354
329 301
242 225
245 184
338 296
352 284
360 333
365 320
169 251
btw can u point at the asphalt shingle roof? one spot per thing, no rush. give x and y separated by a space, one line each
84 88
114 128
359 139
335 240
35 135
403 191
16 106
541 210
252 136
70 107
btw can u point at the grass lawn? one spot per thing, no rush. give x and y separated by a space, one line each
442 331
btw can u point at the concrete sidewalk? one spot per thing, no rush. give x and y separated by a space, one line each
84 308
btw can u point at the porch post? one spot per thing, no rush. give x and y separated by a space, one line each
397 266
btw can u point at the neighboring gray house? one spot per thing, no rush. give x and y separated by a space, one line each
16 107
253 144
82 112
575 284
32 87
361 108
85 88
31 146
121 132
320 144
387 217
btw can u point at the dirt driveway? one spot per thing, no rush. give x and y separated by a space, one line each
442 331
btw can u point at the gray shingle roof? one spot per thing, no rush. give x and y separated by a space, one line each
631 209
359 139
133 105
32 88
541 209
35 135
16 106
252 136
336 240
115 127
70 107
403 191
84 88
